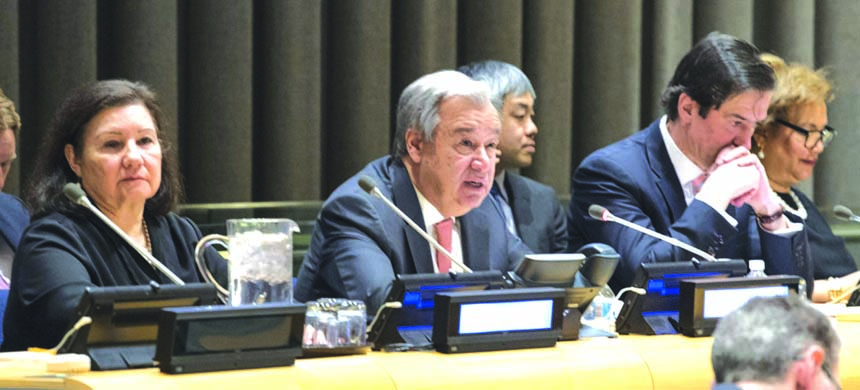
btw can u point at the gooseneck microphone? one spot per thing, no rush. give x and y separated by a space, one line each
845 213
74 192
601 213
367 184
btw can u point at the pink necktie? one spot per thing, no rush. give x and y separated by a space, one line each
699 182
443 235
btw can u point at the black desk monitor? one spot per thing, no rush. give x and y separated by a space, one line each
656 312
412 323
582 275
125 319
211 338
476 321
705 301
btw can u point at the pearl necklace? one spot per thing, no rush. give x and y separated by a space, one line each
146 237
800 211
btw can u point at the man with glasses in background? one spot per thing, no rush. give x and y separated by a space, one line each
775 343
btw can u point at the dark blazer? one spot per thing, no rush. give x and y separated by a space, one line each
635 180
62 254
359 244
539 218
829 253
13 219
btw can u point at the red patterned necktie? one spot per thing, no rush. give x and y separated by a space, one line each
443 235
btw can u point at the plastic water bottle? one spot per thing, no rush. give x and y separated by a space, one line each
600 313
756 269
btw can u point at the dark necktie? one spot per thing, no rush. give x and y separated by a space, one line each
504 208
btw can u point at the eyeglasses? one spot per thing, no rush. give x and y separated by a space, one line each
812 137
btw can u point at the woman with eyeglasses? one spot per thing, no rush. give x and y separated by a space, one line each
788 143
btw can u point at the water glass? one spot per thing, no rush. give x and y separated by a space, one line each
335 323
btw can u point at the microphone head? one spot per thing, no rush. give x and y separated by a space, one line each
597 211
842 212
74 192
367 184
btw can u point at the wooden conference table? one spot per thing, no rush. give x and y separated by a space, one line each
628 362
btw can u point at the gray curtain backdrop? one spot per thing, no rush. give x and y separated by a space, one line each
284 99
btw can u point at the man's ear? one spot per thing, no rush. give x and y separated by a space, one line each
414 145
70 158
687 107
808 367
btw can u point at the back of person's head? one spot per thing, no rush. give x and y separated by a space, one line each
418 108
9 119
796 85
504 80
762 339
716 69
52 171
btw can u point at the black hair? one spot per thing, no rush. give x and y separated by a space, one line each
52 171
717 68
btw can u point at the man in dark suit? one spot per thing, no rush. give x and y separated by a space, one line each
13 219
531 209
690 175
439 173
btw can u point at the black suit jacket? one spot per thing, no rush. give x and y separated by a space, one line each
538 216
635 180
359 244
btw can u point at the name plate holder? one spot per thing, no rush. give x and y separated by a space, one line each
213 338
704 301
493 320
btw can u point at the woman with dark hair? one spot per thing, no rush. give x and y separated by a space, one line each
788 143
107 137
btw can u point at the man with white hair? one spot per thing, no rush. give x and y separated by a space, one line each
439 173
531 209
775 343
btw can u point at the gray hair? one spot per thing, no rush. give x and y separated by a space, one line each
418 108
503 78
760 340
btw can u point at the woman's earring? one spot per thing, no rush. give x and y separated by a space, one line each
760 154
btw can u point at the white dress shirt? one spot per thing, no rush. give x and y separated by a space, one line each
431 217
